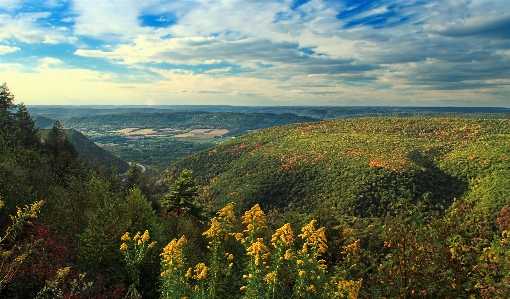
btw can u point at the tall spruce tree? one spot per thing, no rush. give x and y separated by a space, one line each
6 107
183 192
26 134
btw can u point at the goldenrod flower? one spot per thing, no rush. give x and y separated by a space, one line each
228 212
258 250
288 255
302 273
238 236
270 277
152 244
200 271
315 239
125 237
123 246
189 273
214 230
137 236
172 253
255 219
284 234
145 236
230 257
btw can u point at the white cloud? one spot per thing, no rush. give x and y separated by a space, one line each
115 20
7 49
23 27
10 4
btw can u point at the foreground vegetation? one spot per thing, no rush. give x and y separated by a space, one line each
367 208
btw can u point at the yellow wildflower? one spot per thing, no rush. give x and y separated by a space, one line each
258 250
352 251
123 246
145 236
238 236
200 271
35 207
172 253
302 273
283 234
125 237
315 239
137 236
152 244
288 255
214 230
230 257
351 287
228 212
255 219
270 277
189 273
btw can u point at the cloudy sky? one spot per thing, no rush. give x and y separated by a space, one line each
265 52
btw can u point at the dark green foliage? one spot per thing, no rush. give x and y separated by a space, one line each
181 198
92 153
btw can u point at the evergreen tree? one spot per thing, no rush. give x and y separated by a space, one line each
57 144
183 192
136 178
63 155
26 134
6 107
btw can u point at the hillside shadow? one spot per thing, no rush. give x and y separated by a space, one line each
440 187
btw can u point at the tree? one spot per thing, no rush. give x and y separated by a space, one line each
26 134
6 103
6 107
181 198
63 154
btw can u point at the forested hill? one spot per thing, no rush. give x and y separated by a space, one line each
358 167
91 152
236 123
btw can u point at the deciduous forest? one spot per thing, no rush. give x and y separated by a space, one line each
375 207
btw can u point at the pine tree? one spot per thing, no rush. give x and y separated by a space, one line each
6 107
181 198
26 134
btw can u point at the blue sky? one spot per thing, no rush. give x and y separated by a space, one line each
266 52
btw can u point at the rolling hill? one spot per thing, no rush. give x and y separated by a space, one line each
92 153
357 167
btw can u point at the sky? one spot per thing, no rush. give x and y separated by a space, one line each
265 52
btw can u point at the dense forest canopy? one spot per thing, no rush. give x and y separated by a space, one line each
367 207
